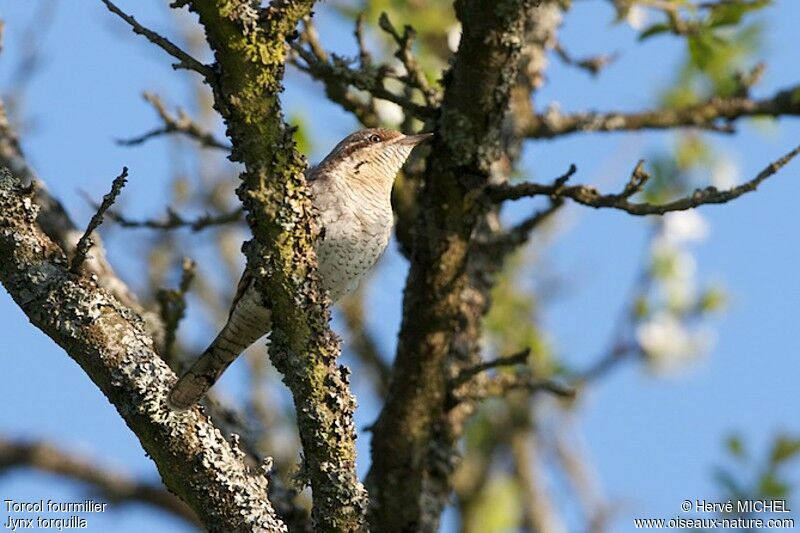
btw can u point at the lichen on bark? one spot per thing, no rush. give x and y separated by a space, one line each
110 343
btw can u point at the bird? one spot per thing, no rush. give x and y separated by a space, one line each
351 190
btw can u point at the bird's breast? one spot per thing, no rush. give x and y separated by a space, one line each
352 243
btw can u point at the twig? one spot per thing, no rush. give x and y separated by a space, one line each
415 76
502 384
623 345
181 124
370 80
507 191
185 61
593 65
86 242
336 89
172 308
337 74
715 114
589 196
364 56
53 219
518 358
175 221
112 485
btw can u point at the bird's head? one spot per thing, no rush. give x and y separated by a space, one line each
372 157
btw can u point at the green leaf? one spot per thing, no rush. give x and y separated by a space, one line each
497 509
712 300
735 446
783 449
655 29
304 143
702 49
729 14
770 486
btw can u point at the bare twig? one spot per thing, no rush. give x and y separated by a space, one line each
370 80
519 358
623 345
337 74
86 242
364 56
593 65
506 191
185 61
30 62
715 114
174 220
181 124
502 384
589 196
415 76
172 306
112 485
337 90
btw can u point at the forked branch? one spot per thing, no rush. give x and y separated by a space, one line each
589 196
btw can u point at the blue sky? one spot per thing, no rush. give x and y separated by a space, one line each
653 440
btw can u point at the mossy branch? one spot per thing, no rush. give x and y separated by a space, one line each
250 51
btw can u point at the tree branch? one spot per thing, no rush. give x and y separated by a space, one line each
502 384
467 374
112 485
185 61
514 237
589 196
413 443
250 51
86 242
415 76
109 342
337 74
181 124
593 65
172 305
336 89
715 114
175 220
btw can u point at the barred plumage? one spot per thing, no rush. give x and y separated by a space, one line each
351 189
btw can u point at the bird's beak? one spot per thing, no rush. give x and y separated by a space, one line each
413 140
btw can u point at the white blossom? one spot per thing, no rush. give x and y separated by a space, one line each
680 293
685 226
669 345
671 260
636 17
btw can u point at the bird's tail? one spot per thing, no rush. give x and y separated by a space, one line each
248 322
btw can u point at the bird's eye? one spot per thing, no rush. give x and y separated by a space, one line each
375 138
